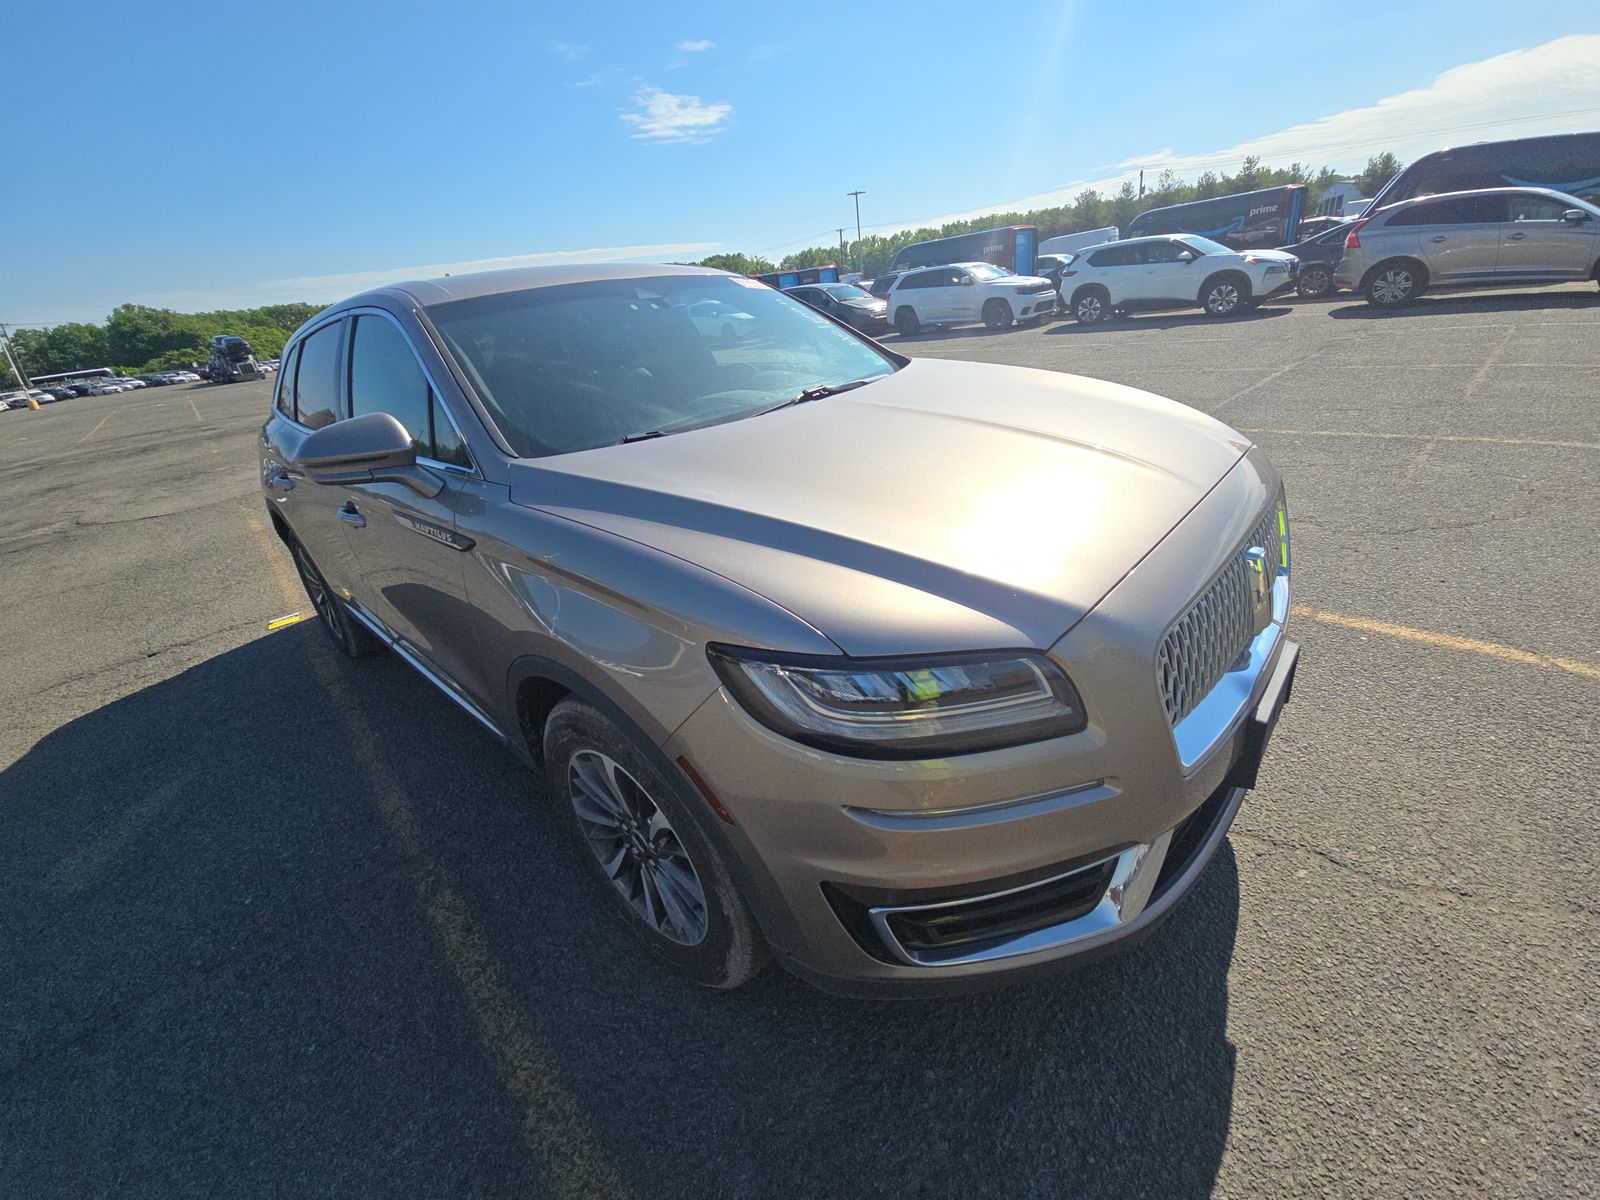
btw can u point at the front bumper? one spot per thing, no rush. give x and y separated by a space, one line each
1036 305
1277 284
856 869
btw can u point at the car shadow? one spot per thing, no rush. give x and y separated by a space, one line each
1183 320
287 923
945 333
1442 304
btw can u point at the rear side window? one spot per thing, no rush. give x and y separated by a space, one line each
285 399
316 386
1114 256
1462 210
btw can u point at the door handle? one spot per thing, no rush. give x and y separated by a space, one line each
1438 237
1515 237
281 480
351 515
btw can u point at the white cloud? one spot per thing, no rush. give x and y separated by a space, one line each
329 288
666 117
571 51
1550 88
696 46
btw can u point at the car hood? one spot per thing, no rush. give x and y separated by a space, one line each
1279 255
867 302
951 505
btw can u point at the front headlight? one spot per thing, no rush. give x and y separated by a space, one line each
926 707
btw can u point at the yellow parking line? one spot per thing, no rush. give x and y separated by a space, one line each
99 423
198 419
281 622
1422 437
1449 641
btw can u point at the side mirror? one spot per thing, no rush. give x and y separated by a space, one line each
1187 257
968 281
371 448
1574 216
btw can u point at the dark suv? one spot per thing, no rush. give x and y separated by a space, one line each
1318 256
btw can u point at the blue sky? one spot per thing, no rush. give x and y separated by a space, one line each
210 155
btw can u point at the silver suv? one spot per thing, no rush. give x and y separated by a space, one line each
1486 238
913 673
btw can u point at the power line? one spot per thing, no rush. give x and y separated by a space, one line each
1221 159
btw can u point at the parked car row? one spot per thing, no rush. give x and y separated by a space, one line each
1491 237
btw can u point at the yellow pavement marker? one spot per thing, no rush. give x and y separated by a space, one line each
1449 641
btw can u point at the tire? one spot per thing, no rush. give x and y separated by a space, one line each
997 314
1225 295
627 813
1315 282
905 321
349 636
1091 305
1395 282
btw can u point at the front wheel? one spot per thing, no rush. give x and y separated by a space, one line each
905 321
1392 284
997 314
1315 282
643 845
1225 296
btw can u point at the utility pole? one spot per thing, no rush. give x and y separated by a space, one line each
5 342
1141 183
841 244
856 195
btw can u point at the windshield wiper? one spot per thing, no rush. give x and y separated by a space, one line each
641 437
821 391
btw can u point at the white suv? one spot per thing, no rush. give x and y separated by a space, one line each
1180 270
962 292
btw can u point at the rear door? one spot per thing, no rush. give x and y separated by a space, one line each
1459 237
1535 243
1121 269
308 397
412 558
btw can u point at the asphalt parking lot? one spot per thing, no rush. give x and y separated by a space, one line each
274 923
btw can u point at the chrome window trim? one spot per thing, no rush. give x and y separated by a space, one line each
1132 880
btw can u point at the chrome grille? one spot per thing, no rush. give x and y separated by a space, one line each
1205 643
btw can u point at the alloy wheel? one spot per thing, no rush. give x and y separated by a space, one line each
1393 285
322 600
1222 299
637 848
1089 309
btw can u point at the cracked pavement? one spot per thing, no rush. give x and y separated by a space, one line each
277 924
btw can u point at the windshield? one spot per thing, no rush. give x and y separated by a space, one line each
987 271
1205 245
845 291
588 364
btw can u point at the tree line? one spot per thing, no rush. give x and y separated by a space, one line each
1090 209
136 338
